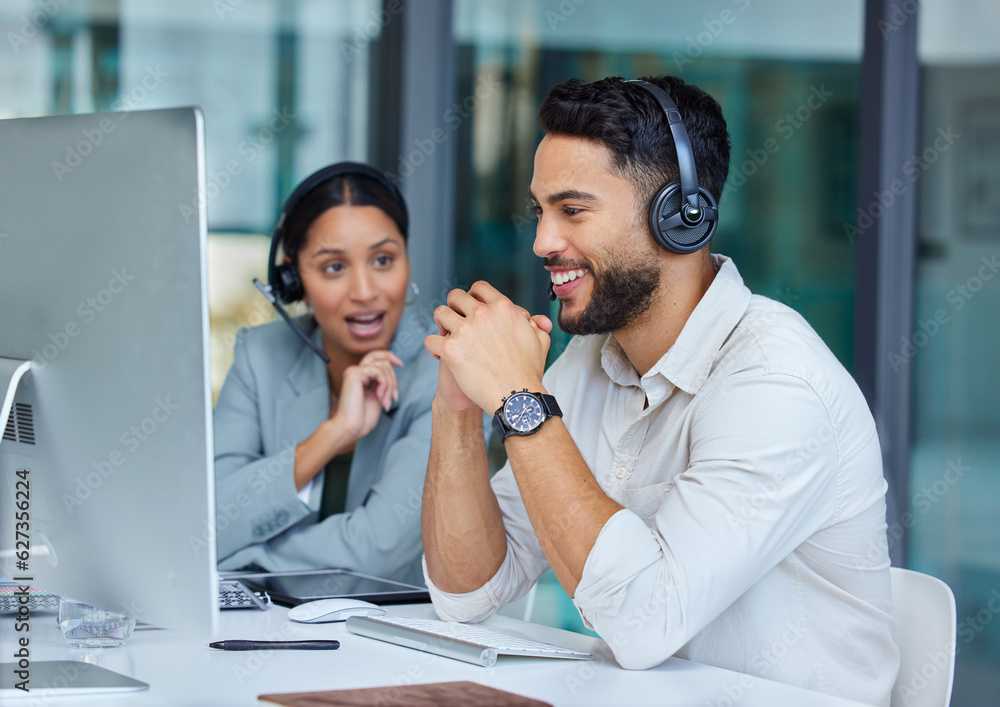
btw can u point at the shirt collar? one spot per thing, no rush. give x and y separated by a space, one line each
689 361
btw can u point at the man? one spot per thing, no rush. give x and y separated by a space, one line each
713 488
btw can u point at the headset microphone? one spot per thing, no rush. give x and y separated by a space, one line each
551 293
266 291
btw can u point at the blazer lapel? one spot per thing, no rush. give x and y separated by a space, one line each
305 402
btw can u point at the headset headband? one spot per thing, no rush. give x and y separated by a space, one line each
685 155
277 283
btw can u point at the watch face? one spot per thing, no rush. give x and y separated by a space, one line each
522 412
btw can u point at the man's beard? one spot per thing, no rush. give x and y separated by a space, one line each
622 292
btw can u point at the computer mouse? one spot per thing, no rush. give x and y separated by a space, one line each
327 610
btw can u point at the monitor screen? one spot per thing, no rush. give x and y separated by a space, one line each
107 453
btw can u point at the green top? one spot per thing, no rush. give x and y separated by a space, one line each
335 478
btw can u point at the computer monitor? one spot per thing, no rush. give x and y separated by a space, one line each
103 290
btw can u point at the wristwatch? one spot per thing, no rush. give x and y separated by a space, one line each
523 413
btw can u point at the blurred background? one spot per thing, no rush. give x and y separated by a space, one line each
442 94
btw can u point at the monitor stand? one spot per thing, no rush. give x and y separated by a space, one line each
11 370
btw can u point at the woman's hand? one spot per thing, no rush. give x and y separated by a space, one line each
367 389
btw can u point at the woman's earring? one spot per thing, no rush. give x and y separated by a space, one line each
414 292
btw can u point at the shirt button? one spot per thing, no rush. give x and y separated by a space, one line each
620 472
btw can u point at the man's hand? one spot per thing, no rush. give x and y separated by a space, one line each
449 397
487 346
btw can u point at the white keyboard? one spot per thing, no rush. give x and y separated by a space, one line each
469 642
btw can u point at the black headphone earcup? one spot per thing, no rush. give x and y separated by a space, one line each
682 239
289 283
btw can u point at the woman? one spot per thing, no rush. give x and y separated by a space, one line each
322 465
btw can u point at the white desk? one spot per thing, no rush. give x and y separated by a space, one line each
182 671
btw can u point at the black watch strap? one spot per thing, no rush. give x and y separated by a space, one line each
550 408
549 405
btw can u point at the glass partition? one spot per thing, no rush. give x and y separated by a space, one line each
954 343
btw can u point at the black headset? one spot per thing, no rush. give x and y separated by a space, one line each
283 282
683 215
283 278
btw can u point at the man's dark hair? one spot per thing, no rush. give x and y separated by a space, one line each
630 122
351 189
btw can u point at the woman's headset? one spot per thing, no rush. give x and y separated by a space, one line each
283 278
683 215
284 285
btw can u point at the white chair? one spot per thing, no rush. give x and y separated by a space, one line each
924 610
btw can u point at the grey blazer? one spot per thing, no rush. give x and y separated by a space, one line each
275 395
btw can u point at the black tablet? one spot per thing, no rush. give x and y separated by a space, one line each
298 587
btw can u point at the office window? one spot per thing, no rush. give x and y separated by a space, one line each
954 343
786 74
283 85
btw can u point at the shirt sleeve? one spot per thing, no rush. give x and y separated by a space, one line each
523 564
749 497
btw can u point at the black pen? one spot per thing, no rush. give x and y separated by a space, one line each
279 645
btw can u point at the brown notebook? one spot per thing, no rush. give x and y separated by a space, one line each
434 694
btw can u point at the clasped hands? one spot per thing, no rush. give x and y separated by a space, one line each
487 346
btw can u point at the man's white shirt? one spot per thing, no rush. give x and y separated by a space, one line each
753 534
